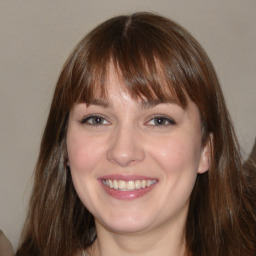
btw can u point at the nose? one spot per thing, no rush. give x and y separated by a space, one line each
126 147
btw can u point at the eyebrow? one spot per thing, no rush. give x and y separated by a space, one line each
152 103
143 104
99 102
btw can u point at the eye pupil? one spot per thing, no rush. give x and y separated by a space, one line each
159 121
97 120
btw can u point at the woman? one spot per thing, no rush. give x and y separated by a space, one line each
139 156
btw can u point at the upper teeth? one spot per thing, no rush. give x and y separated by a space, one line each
128 185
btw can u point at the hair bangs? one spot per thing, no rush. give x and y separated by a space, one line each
140 57
143 76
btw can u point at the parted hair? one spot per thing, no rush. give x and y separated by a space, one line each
156 59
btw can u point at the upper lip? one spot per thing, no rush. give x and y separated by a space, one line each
126 177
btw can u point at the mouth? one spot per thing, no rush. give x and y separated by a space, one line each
130 185
127 187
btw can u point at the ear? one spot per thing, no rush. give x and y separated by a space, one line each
67 162
205 159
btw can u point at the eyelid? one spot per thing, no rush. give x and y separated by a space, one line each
170 120
85 119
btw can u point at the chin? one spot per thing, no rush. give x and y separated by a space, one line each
124 224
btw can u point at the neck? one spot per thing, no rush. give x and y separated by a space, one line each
157 242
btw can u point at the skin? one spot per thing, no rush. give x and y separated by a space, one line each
130 141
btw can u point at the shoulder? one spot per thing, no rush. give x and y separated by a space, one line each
5 245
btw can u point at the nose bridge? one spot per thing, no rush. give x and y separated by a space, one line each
125 146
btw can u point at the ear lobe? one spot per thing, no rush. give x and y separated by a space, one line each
67 162
205 160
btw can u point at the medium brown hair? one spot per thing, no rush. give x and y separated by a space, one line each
156 59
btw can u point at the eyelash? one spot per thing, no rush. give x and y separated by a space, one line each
87 120
165 121
158 121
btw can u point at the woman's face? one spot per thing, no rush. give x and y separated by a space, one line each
134 165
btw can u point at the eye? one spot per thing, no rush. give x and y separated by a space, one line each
160 121
94 120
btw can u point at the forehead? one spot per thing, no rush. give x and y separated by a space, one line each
110 102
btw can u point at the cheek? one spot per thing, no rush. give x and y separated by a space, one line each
83 152
178 153
84 157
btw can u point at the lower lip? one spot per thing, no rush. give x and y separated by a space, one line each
128 195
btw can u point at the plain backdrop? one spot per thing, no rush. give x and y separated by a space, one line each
36 38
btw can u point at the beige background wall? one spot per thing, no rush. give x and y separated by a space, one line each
37 36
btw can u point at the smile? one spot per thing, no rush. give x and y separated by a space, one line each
129 185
